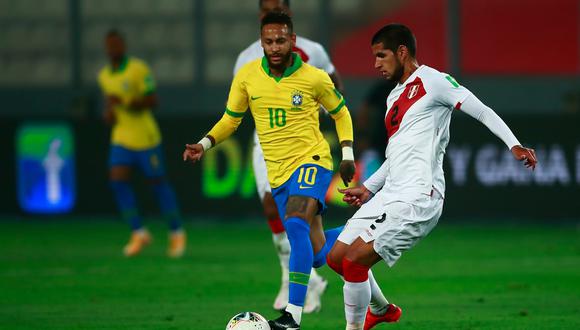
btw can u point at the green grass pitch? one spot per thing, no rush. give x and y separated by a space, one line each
69 274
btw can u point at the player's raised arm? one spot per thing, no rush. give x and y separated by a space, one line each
333 101
476 109
236 108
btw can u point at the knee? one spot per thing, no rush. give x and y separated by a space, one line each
301 207
354 271
296 228
270 209
334 261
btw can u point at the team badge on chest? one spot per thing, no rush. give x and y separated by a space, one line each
413 91
297 97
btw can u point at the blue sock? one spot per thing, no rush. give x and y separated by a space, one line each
126 202
301 256
167 203
331 236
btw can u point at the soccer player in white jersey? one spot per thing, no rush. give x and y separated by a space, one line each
402 201
314 54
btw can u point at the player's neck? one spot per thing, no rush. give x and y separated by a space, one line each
410 68
117 63
279 71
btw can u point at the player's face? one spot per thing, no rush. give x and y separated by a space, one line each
268 6
277 42
387 62
115 47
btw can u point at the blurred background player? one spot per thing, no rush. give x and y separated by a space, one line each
403 200
314 54
284 95
129 91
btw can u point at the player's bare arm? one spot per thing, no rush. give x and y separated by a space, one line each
347 167
109 113
146 102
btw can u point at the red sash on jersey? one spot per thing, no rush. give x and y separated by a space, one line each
413 92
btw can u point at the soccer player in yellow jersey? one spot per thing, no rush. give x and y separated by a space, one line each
284 95
129 90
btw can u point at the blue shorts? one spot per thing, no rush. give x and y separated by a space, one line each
308 180
149 161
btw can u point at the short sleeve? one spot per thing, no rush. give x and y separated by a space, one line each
238 98
145 81
449 92
327 94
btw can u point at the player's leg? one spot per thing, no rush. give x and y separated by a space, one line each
356 264
281 246
120 170
152 165
400 227
322 241
363 220
300 213
279 237
306 190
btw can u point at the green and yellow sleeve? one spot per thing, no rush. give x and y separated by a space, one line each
145 81
237 106
333 102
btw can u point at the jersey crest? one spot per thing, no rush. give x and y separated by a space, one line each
297 97
413 92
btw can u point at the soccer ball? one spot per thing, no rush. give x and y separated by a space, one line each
248 321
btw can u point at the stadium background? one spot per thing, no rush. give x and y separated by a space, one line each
521 57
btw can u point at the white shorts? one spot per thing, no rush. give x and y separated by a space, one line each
260 171
395 225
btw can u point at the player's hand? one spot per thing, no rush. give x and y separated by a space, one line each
527 155
346 171
356 196
193 152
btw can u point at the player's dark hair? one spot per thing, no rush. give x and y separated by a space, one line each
114 33
278 17
286 3
394 35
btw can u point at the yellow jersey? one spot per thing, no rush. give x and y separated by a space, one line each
133 129
286 113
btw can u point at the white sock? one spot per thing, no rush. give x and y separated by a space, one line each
356 300
296 312
314 277
378 303
282 246
354 326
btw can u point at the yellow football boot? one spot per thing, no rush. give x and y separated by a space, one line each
177 244
139 239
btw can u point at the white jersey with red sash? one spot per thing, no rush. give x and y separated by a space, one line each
417 122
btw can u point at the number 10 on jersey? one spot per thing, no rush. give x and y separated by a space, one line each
277 117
